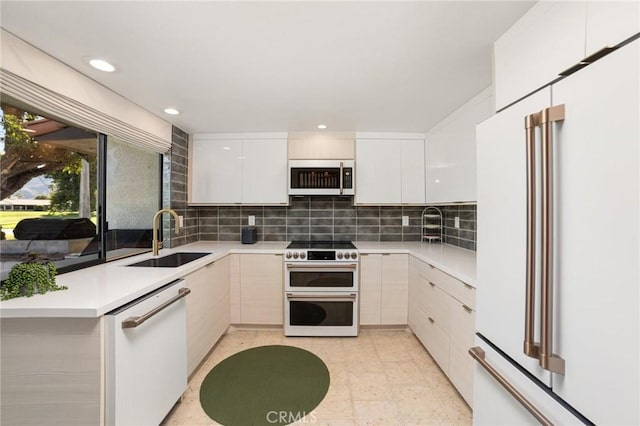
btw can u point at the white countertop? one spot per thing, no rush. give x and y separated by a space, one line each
99 289
455 261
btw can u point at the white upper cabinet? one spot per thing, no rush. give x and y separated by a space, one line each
321 145
547 40
413 171
216 171
378 172
264 171
389 168
238 169
610 22
451 152
552 37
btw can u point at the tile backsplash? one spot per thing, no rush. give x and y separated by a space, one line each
465 235
312 218
333 218
306 218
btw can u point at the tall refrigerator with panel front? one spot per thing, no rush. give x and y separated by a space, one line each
558 252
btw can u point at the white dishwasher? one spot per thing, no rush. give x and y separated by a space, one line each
146 357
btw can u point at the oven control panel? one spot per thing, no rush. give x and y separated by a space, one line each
321 255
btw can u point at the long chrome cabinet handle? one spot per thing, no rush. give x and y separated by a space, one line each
531 348
332 266
341 183
478 354
548 360
133 322
350 296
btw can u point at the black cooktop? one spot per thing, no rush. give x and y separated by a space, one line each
322 245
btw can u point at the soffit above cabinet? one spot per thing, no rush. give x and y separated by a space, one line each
321 145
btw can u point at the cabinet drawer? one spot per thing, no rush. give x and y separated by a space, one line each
463 324
419 267
437 343
418 323
465 293
461 371
418 292
438 306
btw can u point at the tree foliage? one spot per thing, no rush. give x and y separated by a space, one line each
66 186
25 158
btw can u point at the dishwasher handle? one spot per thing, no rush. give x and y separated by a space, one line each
133 322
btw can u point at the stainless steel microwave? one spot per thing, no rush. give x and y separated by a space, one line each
321 177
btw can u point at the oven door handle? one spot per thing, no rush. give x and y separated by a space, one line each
351 296
334 267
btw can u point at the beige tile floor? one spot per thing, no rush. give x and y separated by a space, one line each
378 378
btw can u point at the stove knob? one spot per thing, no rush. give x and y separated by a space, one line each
295 255
288 255
303 255
354 255
339 255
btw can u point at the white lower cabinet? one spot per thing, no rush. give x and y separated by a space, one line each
384 287
261 289
208 310
441 314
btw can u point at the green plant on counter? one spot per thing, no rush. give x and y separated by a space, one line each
33 275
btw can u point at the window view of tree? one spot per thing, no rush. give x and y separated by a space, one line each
49 193
23 157
48 170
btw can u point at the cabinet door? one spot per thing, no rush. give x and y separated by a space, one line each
394 289
216 175
370 288
221 304
547 40
450 151
597 154
610 22
264 171
412 168
378 171
200 315
412 305
261 289
234 288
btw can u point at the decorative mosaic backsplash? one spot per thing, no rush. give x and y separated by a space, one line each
306 218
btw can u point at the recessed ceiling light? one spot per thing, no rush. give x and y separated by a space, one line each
321 126
102 65
171 111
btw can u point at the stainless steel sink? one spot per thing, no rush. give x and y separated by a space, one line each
171 261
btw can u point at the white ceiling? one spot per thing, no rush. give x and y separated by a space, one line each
278 66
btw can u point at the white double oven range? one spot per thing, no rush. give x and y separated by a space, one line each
321 288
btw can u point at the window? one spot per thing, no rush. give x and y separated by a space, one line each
72 195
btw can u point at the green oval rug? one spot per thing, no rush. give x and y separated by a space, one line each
267 385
